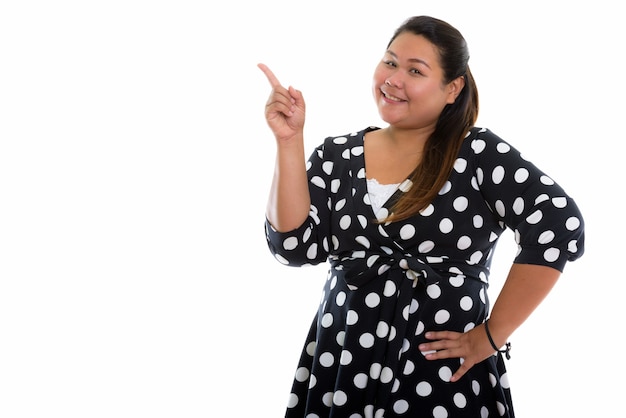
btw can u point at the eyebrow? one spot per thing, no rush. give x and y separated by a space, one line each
417 60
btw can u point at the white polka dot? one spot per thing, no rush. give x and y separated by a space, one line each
480 177
497 175
356 151
409 368
344 222
407 231
345 358
460 165
390 288
534 217
475 257
445 373
405 186
340 338
460 203
372 300
518 206
459 400
503 148
478 145
546 180
310 348
292 401
327 359
327 167
501 408
572 223
440 412
475 387
386 375
327 399
551 254
375 371
360 380
464 242
352 317
484 412
327 320
466 303
318 181
400 406
363 241
340 299
340 398
311 253
302 374
446 225
312 381
442 316
433 291
521 175
334 185
559 202
446 188
504 381
425 247
290 243
545 237
457 281
477 221
500 208
428 210
382 330
366 340
423 388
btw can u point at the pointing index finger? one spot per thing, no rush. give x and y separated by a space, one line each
270 75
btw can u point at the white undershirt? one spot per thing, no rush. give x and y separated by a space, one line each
379 193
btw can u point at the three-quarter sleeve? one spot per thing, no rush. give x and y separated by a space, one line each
547 224
308 244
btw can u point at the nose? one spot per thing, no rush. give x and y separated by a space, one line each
393 81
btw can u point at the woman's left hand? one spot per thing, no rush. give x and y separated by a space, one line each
472 347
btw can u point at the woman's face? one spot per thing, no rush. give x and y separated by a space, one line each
409 85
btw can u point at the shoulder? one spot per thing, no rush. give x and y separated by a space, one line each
351 142
351 139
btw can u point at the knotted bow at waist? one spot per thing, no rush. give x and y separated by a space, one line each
363 266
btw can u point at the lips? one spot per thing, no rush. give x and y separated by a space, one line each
391 97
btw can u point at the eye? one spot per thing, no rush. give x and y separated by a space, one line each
415 71
389 64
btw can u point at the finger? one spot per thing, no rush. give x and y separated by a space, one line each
460 371
270 75
442 335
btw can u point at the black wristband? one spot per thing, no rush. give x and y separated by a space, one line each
506 351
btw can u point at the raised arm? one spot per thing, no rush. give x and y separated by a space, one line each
289 201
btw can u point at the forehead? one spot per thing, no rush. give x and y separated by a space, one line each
410 47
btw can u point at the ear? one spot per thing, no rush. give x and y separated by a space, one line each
454 88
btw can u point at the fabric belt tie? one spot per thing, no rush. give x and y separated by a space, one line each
362 267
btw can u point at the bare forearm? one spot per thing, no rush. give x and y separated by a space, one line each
525 288
289 201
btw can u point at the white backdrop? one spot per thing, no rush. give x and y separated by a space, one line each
134 166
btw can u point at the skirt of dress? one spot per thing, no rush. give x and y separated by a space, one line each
361 360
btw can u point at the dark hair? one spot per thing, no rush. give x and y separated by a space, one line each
441 149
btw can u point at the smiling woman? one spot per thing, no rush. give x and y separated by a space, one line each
402 326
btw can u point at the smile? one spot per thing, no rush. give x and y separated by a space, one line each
391 98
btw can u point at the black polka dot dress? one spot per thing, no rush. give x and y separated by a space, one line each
389 283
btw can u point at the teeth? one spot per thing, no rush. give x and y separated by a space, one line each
395 99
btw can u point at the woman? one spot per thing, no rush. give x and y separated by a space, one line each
408 217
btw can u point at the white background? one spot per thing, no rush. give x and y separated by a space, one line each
135 161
